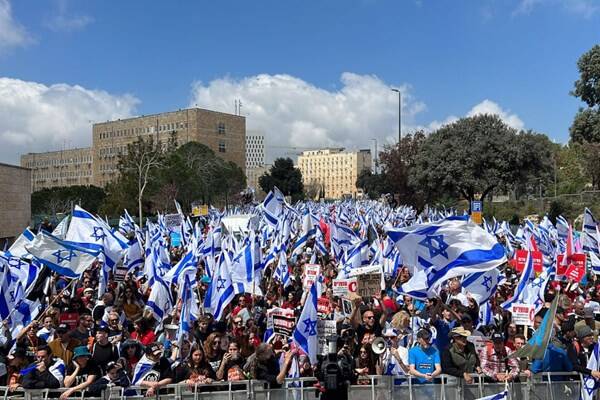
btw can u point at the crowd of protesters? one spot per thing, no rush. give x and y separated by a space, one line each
85 342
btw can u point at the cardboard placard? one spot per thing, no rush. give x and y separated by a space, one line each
347 307
342 287
523 314
577 259
521 258
368 285
323 306
325 329
173 221
575 273
311 273
281 320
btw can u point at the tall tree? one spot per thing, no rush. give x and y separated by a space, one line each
477 155
585 129
286 177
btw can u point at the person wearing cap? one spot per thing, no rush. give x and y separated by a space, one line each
589 320
395 357
495 361
115 376
580 349
460 359
16 361
424 359
103 351
63 344
161 373
81 373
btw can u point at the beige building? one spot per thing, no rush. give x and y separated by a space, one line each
59 168
333 170
15 207
224 133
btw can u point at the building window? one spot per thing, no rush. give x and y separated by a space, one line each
222 147
221 128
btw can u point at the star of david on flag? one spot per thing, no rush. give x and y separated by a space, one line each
305 333
481 285
451 247
68 255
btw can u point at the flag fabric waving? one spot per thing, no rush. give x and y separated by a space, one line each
305 333
590 384
452 247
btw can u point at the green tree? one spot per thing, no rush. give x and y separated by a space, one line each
585 129
477 155
397 165
286 177
61 199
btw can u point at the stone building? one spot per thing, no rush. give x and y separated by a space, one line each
15 207
333 171
59 168
224 133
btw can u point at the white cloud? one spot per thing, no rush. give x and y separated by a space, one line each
294 113
489 107
35 117
63 21
12 34
584 8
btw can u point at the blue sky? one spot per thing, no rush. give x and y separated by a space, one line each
309 73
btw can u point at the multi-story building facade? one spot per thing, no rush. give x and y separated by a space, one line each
224 133
255 150
59 168
15 207
333 171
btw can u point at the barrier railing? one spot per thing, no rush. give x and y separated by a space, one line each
547 386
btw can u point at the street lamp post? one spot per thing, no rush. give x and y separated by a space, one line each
375 157
399 113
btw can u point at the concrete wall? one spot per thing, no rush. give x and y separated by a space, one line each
15 200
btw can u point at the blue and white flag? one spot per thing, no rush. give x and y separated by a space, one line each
66 258
61 229
24 272
498 396
220 291
305 333
595 263
452 247
590 235
133 255
25 312
590 384
308 231
160 302
186 318
92 233
481 285
527 275
486 317
142 368
273 206
282 272
18 247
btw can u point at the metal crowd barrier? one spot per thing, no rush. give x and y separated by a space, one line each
546 386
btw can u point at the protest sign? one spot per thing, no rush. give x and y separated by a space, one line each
323 306
173 221
523 314
311 273
479 342
368 285
518 262
342 287
325 329
347 307
281 320
576 273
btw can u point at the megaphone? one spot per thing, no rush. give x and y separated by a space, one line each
379 345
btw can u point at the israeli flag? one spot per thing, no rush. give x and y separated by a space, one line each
134 255
94 234
142 368
308 231
595 263
66 258
11 290
590 384
486 317
273 206
221 290
25 312
499 396
160 302
282 272
61 229
305 333
452 247
481 285
186 319
526 275
590 236
18 249
25 272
